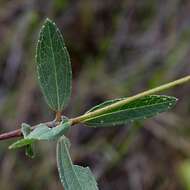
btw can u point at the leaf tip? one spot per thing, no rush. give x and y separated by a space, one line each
46 23
175 100
48 20
11 147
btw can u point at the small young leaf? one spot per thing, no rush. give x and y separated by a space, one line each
21 143
30 151
26 130
142 108
42 132
53 66
73 177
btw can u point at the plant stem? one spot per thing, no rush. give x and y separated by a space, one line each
81 119
105 109
18 133
58 116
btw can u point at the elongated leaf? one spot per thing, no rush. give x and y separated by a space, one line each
73 177
142 108
42 132
53 66
26 130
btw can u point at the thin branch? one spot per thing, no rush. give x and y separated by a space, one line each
81 119
18 133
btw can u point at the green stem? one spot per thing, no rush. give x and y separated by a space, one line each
105 109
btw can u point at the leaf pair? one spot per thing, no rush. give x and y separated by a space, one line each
55 75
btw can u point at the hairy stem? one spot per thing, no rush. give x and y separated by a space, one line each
81 119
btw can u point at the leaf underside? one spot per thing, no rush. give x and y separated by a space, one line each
142 108
72 176
42 132
53 66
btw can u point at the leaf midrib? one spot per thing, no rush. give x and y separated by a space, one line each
55 73
71 165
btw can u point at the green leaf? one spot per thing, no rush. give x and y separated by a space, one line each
142 108
72 176
30 151
42 132
21 143
26 130
53 66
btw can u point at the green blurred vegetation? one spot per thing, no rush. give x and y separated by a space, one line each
117 48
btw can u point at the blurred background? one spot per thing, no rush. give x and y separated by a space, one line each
117 48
